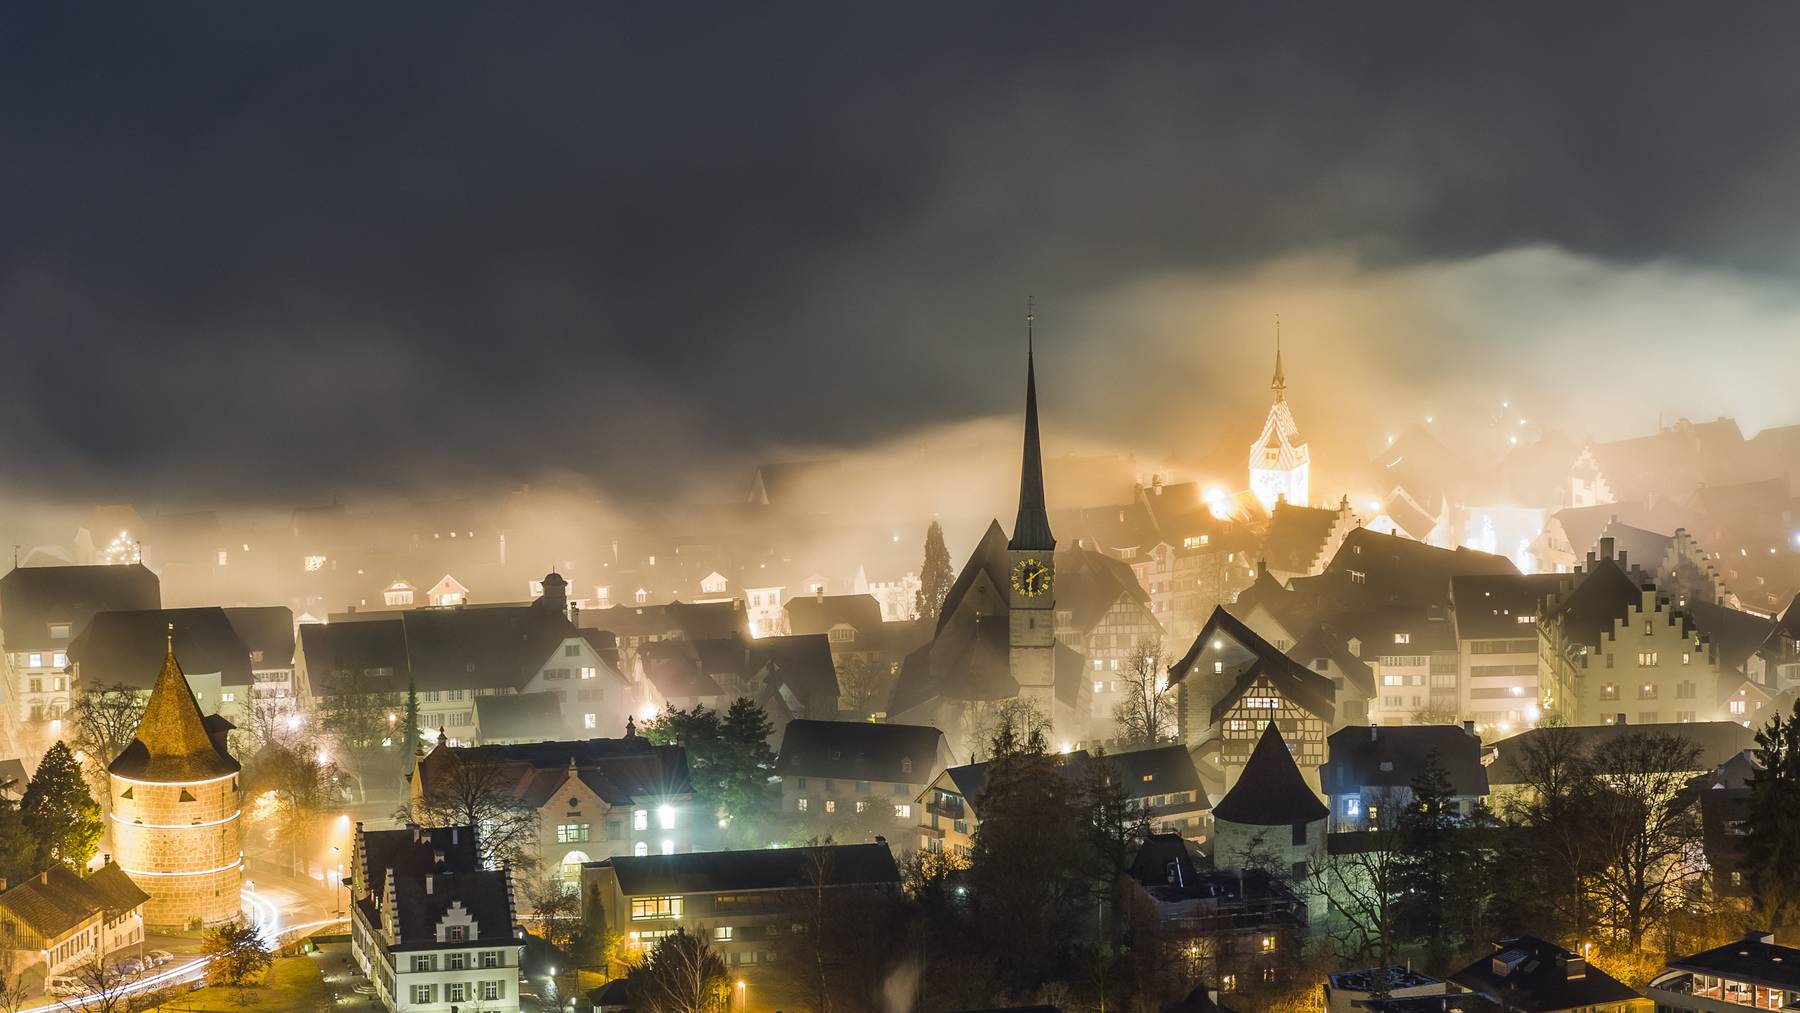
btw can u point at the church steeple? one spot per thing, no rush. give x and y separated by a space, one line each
1031 531
1279 384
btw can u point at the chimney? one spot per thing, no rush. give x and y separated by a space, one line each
454 833
351 609
820 592
1622 564
428 878
1606 547
1760 936
1372 732
1573 966
575 615
1469 728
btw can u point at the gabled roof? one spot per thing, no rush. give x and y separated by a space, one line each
1734 634
1718 741
1322 641
1224 623
1296 536
819 613
33 597
1634 543
1299 685
990 557
1601 597
1397 569
1534 976
838 865
487 647
434 871
1390 757
1157 770
964 662
57 900
174 742
1270 792
621 771
860 751
1089 584
1489 607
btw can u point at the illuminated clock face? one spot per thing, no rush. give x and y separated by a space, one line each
1031 578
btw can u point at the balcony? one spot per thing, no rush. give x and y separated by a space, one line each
1684 990
949 808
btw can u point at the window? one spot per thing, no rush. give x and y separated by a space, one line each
227 696
1299 834
424 995
1646 692
490 958
668 846
313 564
492 990
640 849
1402 638
457 962
655 907
1358 577
831 805
588 721
1646 659
1609 691
1218 668
640 819
34 660
571 650
1099 684
59 631
571 833
1352 807
1735 706
903 812
1393 680
841 635
424 963
801 804
456 991
1261 702
456 933
1649 627
722 933
589 672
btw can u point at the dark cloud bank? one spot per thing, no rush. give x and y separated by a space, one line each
252 254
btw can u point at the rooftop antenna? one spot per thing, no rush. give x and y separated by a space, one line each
171 636
1030 315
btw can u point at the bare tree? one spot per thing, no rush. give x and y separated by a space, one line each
468 788
1145 713
1648 834
13 990
864 683
104 985
682 974
300 786
105 719
998 726
1362 883
1555 807
556 906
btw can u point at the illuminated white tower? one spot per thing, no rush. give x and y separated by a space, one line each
1279 461
176 824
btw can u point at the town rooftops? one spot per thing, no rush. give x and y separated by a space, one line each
1270 792
434 870
1372 756
620 771
174 741
819 613
497 646
1398 569
121 647
1534 976
1734 634
1495 606
33 598
1719 741
1602 596
756 869
1296 536
1089 584
1755 959
57 900
860 751
1155 770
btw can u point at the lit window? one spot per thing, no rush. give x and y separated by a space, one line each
1402 638
903 812
314 564
1352 807
665 817
1735 706
59 660
640 849
640 819
668 846
831 805
801 804
1099 684
722 933
587 721
655 907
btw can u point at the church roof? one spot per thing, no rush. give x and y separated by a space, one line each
1032 528
174 741
1270 792
990 558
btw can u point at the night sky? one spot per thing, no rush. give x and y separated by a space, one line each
278 255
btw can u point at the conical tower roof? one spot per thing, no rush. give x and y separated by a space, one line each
1270 792
1031 530
173 741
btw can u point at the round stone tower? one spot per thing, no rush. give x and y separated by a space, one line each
176 815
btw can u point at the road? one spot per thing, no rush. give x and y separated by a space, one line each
263 912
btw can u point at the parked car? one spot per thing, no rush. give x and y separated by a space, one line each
129 967
157 958
64 984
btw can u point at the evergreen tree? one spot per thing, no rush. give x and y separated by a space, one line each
60 812
1115 829
729 760
1437 871
1772 849
409 743
935 574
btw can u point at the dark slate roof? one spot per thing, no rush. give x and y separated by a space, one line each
1031 529
1734 634
33 597
801 662
1488 607
1157 770
1223 622
174 742
1540 981
1089 584
692 621
1718 741
1756 959
621 771
968 661
1398 569
126 646
1322 641
819 613
1425 628
519 716
1366 755
1270 792
1633 544
413 855
990 557
758 869
1296 536
1606 594
859 751
485 647
1296 683
1165 860
691 668
56 900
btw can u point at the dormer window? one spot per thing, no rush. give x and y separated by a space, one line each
456 933
906 765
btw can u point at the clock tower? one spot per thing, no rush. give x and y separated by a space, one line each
1031 557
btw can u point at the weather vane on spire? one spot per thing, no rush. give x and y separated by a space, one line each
171 637
1279 383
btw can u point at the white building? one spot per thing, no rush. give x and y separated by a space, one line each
430 927
1279 459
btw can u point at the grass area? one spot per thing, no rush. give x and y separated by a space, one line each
293 984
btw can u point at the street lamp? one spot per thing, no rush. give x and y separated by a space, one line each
337 857
743 997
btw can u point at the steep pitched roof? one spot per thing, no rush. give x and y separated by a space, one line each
1603 595
1157 770
173 741
1270 792
989 558
819 613
1734 634
1489 607
1398 569
1298 684
57 900
1031 529
621 771
1296 536
860 751
1719 741
760 869
1089 584
1323 641
518 716
33 597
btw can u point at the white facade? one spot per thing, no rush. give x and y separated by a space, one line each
1279 459
595 698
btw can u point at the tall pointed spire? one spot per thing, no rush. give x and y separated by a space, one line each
1279 384
173 742
1032 528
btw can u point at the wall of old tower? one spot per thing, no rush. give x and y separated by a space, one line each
182 843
